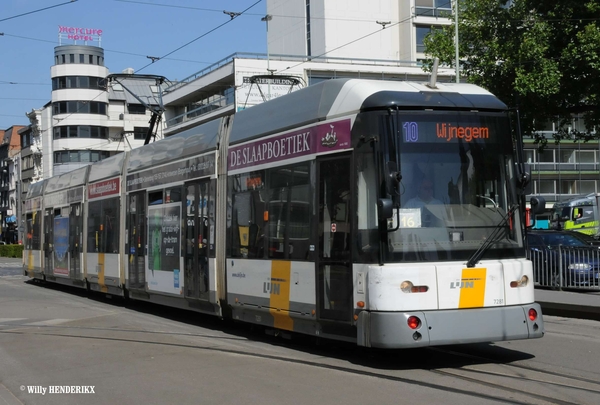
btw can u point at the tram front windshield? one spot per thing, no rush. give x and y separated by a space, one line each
456 187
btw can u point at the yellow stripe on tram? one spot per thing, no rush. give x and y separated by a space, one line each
30 263
101 282
472 290
280 294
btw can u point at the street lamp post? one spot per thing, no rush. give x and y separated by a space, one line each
266 19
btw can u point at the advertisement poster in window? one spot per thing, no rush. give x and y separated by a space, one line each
61 246
164 247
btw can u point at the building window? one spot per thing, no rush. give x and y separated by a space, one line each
82 131
81 58
433 8
76 82
529 156
567 156
422 31
79 107
587 186
568 187
547 156
79 156
586 156
546 187
140 132
136 109
71 58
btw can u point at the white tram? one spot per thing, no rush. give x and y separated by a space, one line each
299 214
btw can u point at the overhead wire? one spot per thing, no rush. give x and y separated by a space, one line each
201 36
37 11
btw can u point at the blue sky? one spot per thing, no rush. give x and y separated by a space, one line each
131 31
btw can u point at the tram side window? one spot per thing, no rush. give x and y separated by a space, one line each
289 212
247 216
155 197
32 241
103 226
173 195
367 236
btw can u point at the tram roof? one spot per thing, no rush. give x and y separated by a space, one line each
194 141
111 167
36 189
336 97
67 180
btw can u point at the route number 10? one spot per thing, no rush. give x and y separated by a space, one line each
411 131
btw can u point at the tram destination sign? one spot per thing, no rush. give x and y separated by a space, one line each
104 188
174 172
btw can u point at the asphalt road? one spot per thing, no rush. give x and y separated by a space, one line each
55 338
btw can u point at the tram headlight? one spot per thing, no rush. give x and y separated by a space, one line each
520 283
408 287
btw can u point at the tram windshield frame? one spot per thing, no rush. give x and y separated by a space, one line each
467 161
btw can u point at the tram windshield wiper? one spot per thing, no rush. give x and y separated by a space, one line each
493 238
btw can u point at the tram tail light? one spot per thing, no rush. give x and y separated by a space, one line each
532 314
520 283
413 322
409 287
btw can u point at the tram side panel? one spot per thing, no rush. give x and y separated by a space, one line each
32 252
171 235
103 236
273 274
63 227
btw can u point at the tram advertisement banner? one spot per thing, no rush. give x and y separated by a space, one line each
320 138
164 247
61 246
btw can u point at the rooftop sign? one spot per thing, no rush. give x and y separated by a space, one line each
79 34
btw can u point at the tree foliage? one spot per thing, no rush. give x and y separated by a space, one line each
538 55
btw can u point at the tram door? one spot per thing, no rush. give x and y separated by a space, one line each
48 241
334 269
137 239
75 227
196 240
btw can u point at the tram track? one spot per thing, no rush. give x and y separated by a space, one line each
497 374
476 381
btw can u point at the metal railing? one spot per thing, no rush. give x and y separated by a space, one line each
292 58
566 267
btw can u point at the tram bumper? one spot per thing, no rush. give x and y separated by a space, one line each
391 330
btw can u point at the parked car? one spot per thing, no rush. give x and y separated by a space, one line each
551 250
589 239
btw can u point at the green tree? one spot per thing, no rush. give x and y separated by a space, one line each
538 55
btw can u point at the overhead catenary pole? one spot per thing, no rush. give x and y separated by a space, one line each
456 39
266 19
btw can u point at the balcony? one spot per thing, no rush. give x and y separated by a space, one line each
420 11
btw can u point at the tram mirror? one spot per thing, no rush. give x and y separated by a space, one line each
538 205
384 209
